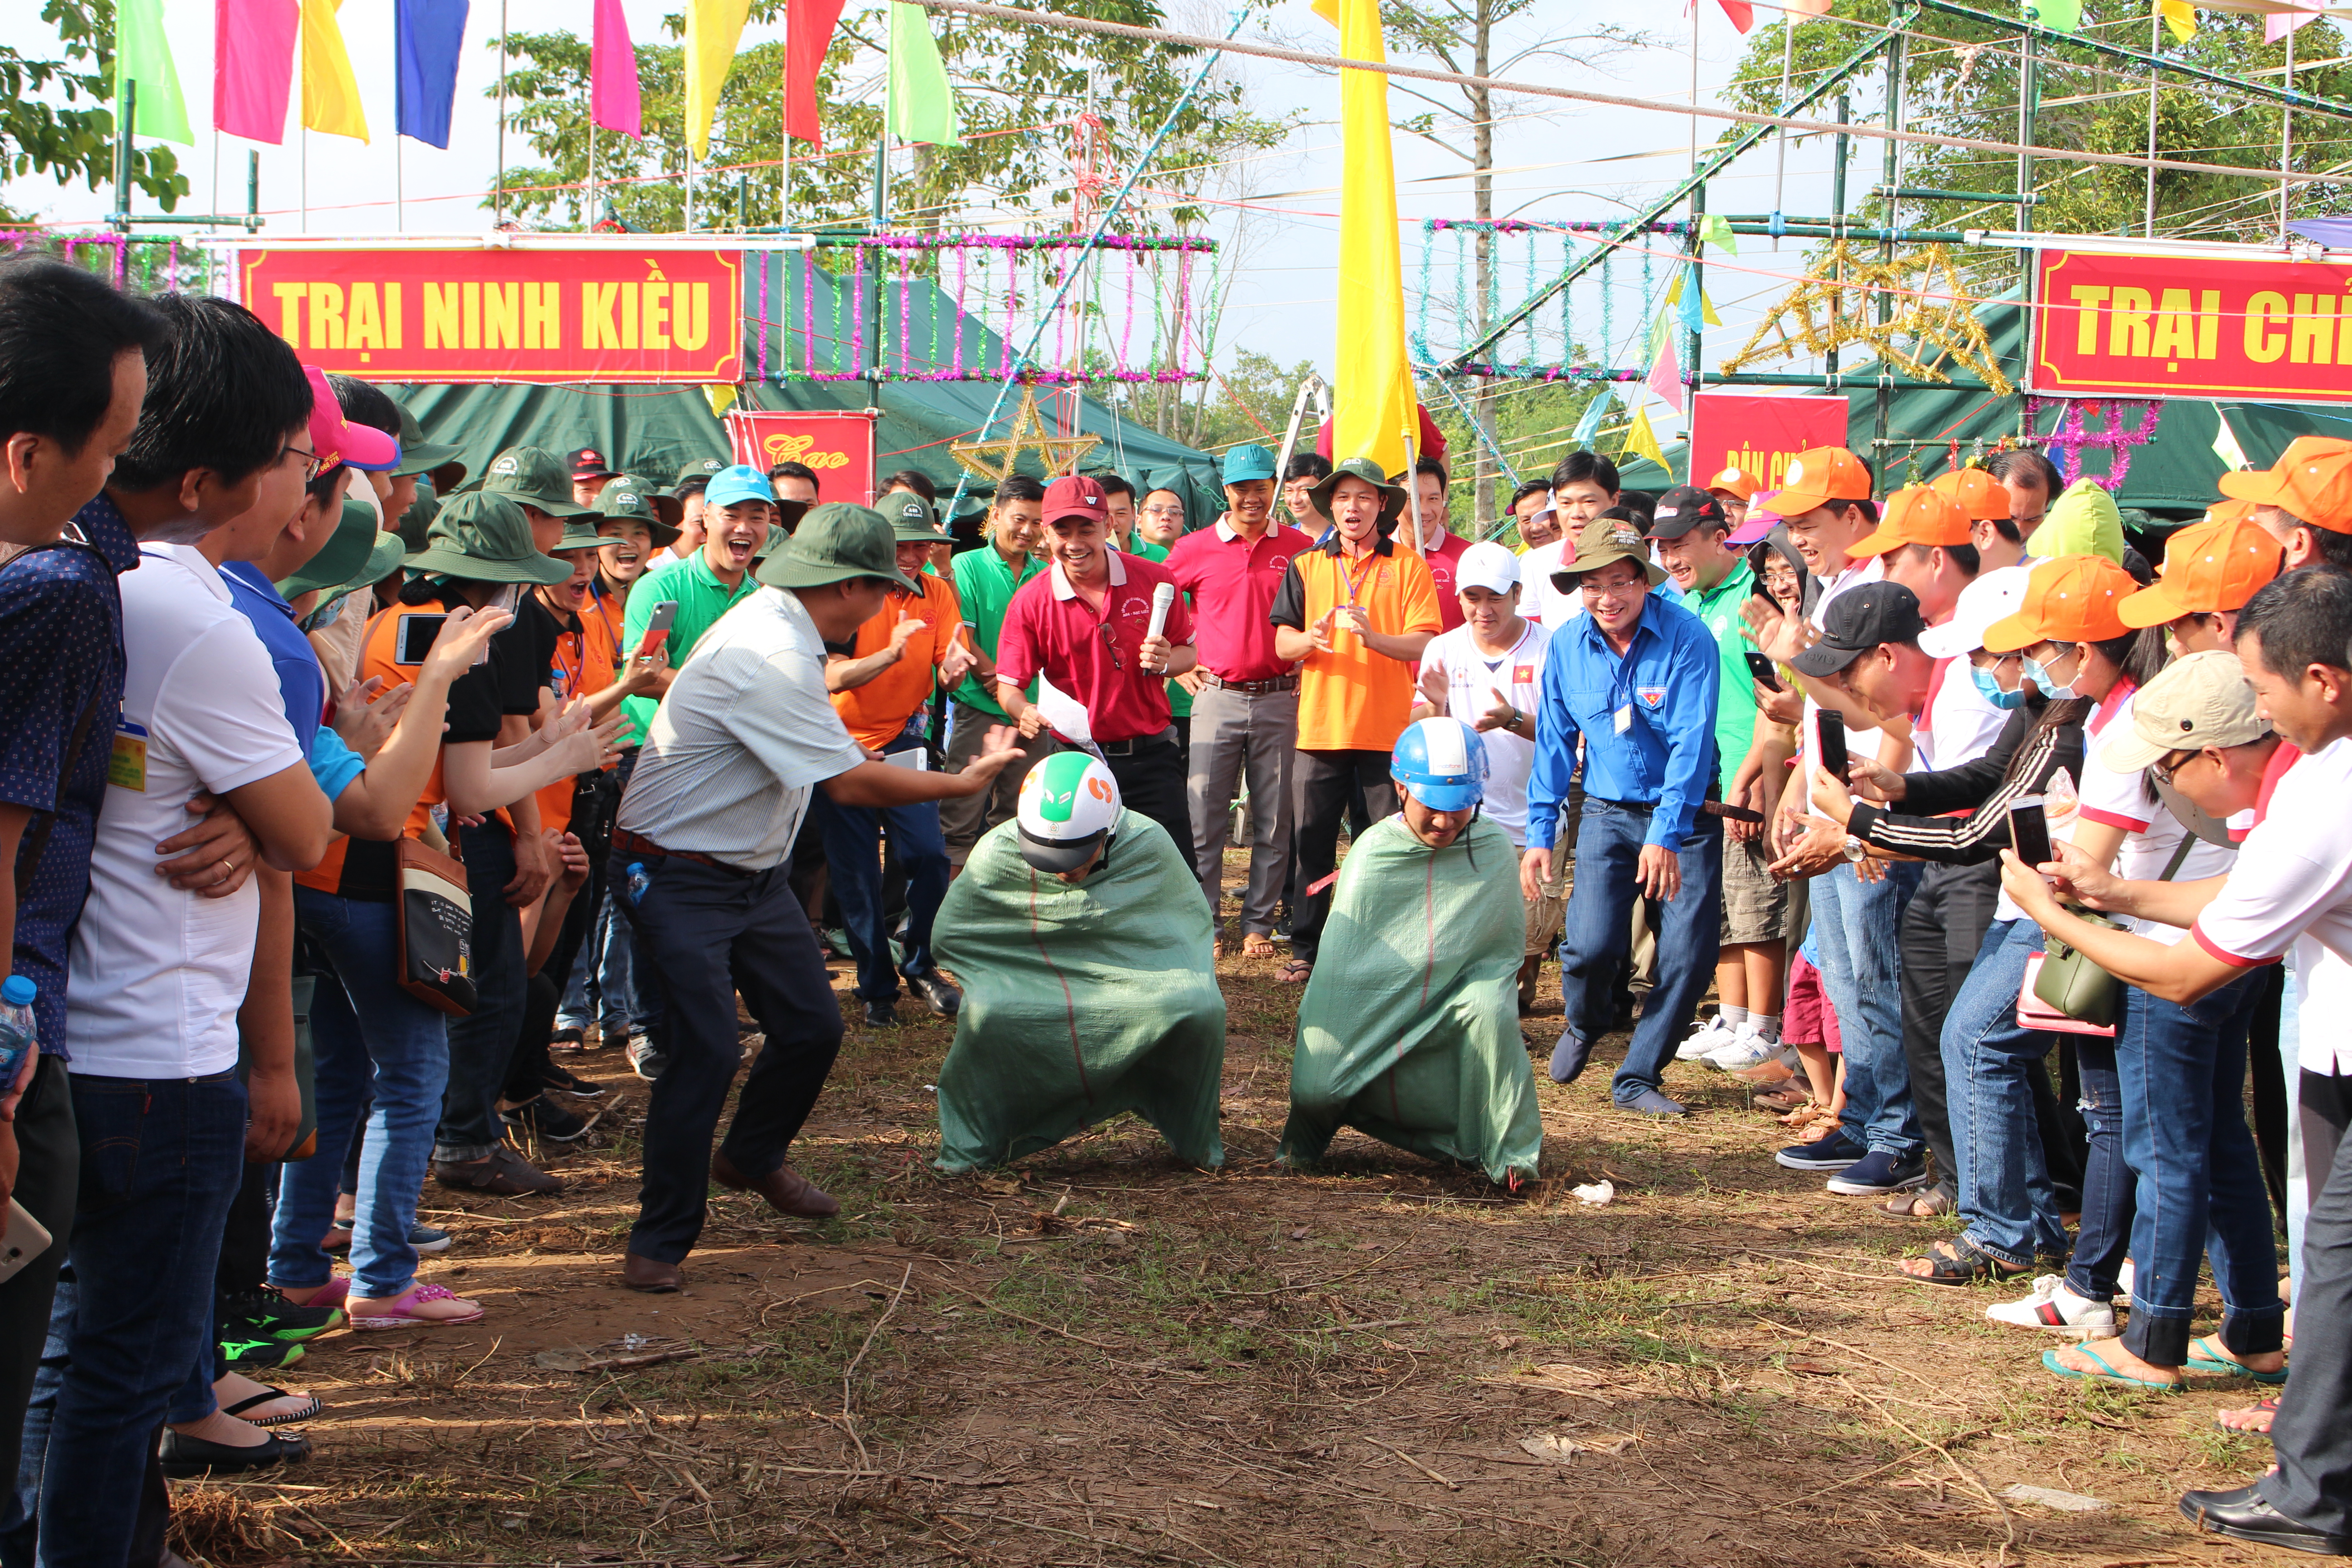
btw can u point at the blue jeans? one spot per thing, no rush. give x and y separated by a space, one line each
1862 973
1597 930
160 1160
602 987
2110 1193
2004 1184
383 1056
482 1044
853 851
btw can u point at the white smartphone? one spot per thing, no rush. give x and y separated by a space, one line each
23 1241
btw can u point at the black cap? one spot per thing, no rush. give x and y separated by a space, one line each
1857 621
1683 508
588 463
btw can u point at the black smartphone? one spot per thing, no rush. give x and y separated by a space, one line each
2028 832
1761 668
1832 731
413 637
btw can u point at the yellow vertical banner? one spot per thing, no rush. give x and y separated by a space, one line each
713 28
331 94
1373 409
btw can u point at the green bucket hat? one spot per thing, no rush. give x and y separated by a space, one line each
911 521
580 533
382 562
836 542
341 558
484 537
695 471
1364 469
629 496
1603 540
533 475
418 455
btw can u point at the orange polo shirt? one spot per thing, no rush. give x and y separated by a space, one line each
587 660
1350 698
876 712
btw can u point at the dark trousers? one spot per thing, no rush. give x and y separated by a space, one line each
544 994
2311 1433
708 934
1153 782
48 1170
482 1044
1328 788
1943 926
852 837
1597 930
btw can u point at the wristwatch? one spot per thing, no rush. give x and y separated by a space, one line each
1855 850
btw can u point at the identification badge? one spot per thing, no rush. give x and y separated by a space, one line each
1625 718
127 768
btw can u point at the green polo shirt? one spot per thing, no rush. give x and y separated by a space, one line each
984 581
1735 708
701 598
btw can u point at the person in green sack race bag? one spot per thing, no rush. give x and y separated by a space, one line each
1083 945
1408 1029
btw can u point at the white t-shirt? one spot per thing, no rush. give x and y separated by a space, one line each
1539 600
1472 679
158 974
1858 743
1959 725
2291 886
2124 801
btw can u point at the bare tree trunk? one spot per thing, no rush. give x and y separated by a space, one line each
1481 145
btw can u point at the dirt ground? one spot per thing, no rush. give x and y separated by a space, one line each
1102 1358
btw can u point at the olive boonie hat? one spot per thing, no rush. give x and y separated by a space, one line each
484 537
1364 469
1603 540
341 559
580 533
835 543
694 473
911 521
629 496
419 455
535 476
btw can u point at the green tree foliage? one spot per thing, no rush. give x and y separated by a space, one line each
1534 423
45 85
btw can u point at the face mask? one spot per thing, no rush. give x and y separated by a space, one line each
1990 688
2041 678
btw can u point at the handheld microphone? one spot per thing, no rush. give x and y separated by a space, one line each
1163 599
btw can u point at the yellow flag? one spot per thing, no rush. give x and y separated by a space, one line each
721 396
1643 441
2180 16
1374 410
331 94
713 28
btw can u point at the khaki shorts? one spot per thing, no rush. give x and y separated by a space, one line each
1755 906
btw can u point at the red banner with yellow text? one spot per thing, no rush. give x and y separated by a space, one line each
2168 326
463 315
1761 434
838 446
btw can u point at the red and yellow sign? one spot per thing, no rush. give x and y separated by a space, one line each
838 446
505 315
1761 434
2168 326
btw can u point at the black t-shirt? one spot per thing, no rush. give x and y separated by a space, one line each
523 654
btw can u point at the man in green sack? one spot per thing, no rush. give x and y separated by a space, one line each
1408 1029
1079 934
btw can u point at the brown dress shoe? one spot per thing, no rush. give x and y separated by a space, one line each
505 1173
650 1275
786 1190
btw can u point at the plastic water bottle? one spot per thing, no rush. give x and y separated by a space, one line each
18 1030
639 882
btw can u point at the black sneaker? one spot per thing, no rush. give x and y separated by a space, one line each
881 1015
547 1119
249 1355
1834 1152
1880 1172
645 1060
934 987
557 1077
262 1313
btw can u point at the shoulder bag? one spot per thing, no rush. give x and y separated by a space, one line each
2068 982
434 927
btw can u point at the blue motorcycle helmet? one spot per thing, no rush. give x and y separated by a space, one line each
1442 762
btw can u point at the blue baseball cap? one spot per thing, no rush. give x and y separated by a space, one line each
742 483
1248 461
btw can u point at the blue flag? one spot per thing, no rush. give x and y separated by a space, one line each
1594 413
430 33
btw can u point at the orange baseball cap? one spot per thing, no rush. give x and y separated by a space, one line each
2312 480
1816 478
1737 481
1982 497
1920 515
2212 565
2230 511
2073 598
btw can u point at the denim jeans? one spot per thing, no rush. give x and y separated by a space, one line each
853 851
2110 1193
161 1158
1862 973
481 1044
382 1055
2004 1184
1596 934
602 987
2199 1180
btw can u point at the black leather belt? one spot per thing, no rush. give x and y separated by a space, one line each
1251 688
1133 747
637 844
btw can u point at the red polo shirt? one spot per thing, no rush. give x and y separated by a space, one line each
1050 631
1233 585
1441 572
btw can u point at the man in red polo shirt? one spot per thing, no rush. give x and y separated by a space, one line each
1086 626
1440 546
1245 715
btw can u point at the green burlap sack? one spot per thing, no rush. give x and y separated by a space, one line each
1410 1027
1079 1002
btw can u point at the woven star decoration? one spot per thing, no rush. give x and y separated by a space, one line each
1932 322
998 458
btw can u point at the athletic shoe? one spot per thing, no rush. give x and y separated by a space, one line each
547 1119
1704 1040
427 1239
1745 1048
881 1015
262 1313
1879 1173
558 1078
1834 1152
643 1059
2055 1310
259 1356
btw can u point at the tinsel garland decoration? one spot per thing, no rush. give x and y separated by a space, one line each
1834 306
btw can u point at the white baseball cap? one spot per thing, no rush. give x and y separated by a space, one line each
1993 597
1487 565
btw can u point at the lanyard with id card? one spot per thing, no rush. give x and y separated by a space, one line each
127 768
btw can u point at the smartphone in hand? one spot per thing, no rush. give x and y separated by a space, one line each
657 626
1761 668
1832 731
2028 832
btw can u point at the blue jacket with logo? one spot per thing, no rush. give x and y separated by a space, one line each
1665 685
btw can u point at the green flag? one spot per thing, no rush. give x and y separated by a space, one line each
1715 230
142 54
2058 16
922 104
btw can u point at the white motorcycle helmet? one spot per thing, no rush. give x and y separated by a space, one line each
1069 804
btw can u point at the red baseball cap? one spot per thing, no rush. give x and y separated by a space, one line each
337 440
1076 495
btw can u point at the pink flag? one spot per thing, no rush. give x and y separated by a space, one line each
612 73
2278 24
1665 377
1799 9
253 66
1742 15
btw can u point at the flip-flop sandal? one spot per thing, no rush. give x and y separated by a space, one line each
312 1404
1257 946
2226 1364
400 1314
2106 1373
2265 1408
1294 972
1960 1261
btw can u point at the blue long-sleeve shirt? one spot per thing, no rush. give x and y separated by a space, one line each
1666 685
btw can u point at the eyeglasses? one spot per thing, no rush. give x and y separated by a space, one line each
2168 765
313 465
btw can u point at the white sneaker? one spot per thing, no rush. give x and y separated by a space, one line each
1746 1048
1708 1039
2055 1310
